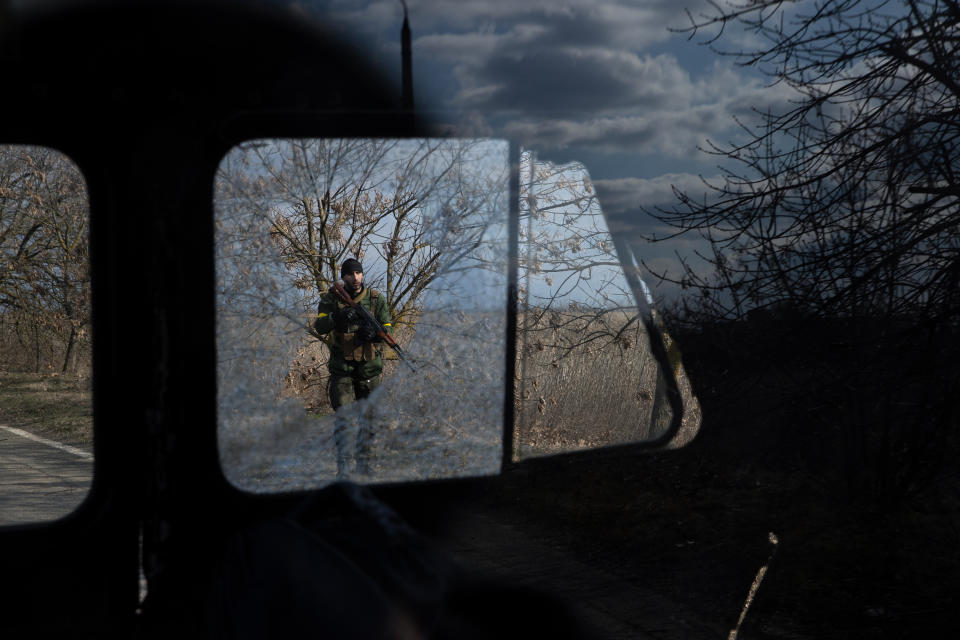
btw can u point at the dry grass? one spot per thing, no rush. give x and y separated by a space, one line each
586 379
59 407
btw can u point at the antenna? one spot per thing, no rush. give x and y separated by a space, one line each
406 58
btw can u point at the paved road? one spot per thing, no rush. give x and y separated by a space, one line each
40 479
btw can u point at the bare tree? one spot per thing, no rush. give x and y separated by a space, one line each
404 208
568 260
422 215
835 232
846 202
45 280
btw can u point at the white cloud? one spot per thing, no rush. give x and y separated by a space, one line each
457 47
674 133
668 115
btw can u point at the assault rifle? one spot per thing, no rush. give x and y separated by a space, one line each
342 293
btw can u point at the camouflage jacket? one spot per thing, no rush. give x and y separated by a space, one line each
347 357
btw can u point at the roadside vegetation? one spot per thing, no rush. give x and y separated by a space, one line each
55 406
44 295
586 379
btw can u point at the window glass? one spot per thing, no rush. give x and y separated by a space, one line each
46 411
425 223
593 360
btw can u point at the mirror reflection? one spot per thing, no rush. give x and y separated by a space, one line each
596 366
327 252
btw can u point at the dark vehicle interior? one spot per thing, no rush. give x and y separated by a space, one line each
590 539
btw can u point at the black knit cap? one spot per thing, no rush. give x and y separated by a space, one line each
350 266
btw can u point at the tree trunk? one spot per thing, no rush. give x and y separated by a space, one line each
71 344
36 344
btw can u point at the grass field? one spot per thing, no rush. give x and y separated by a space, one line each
59 407
586 378
583 381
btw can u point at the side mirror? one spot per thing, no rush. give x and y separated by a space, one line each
437 224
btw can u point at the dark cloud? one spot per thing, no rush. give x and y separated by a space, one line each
565 59
576 22
572 74
625 197
571 79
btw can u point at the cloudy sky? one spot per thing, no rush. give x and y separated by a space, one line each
606 83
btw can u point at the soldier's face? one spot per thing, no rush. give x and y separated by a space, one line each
353 280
